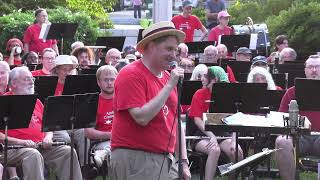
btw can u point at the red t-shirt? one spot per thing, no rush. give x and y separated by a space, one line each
216 32
187 25
231 77
31 36
199 104
104 114
134 87
313 116
39 73
33 132
59 89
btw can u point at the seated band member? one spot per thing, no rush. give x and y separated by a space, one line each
106 76
199 105
261 75
4 76
85 56
211 55
113 56
281 42
30 58
287 55
309 145
31 159
198 72
222 51
259 61
243 54
14 49
64 66
47 59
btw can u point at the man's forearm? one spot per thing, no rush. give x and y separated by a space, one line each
148 111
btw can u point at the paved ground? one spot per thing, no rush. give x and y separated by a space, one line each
126 17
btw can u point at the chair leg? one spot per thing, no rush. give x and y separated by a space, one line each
202 170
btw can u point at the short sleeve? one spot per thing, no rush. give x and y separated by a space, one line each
27 35
198 23
287 97
197 106
130 91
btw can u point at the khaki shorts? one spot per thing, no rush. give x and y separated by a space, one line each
127 164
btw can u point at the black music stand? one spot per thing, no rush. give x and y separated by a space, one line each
16 112
279 79
198 46
273 99
80 84
234 42
45 86
187 76
33 67
307 94
111 42
69 112
238 67
61 31
223 65
188 90
294 70
238 97
139 35
92 69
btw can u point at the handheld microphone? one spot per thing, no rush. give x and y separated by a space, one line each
172 65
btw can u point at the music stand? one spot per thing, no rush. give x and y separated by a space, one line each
234 42
279 79
273 99
198 46
187 76
16 112
111 42
188 90
33 67
223 65
139 35
238 67
61 31
92 69
307 94
45 86
69 112
237 97
80 84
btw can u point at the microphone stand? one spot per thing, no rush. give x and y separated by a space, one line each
179 88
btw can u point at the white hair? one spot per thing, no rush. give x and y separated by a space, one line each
292 53
183 45
200 69
262 71
15 73
5 65
113 50
210 47
77 44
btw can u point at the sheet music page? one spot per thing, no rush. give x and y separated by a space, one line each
44 31
253 41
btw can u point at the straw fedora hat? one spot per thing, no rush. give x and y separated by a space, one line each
64 60
157 30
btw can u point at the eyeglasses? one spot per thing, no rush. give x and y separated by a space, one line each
317 67
29 79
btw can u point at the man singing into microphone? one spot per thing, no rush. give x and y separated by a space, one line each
144 126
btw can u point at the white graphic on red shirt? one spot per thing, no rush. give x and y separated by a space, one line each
165 111
108 117
34 121
184 26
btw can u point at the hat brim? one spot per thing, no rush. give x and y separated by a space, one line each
259 61
54 69
171 32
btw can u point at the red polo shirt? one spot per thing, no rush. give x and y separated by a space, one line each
187 25
134 87
31 36
104 114
59 89
313 116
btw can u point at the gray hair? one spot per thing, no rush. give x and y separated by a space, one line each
5 65
210 47
264 72
113 50
15 73
198 70
292 53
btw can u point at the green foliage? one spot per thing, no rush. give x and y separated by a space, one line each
31 4
14 25
200 13
301 24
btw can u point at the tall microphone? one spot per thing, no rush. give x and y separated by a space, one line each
293 113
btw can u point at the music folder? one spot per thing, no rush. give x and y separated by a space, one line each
198 46
188 90
80 84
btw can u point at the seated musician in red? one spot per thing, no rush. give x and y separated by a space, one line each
261 75
64 66
85 56
211 55
106 76
32 160
309 145
199 105
222 28
47 59
14 49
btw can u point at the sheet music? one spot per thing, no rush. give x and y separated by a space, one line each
44 31
253 41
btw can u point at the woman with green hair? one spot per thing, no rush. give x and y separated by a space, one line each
200 105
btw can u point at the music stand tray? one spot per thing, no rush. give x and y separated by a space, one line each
80 84
198 46
111 42
307 94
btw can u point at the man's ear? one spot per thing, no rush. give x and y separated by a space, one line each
13 83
